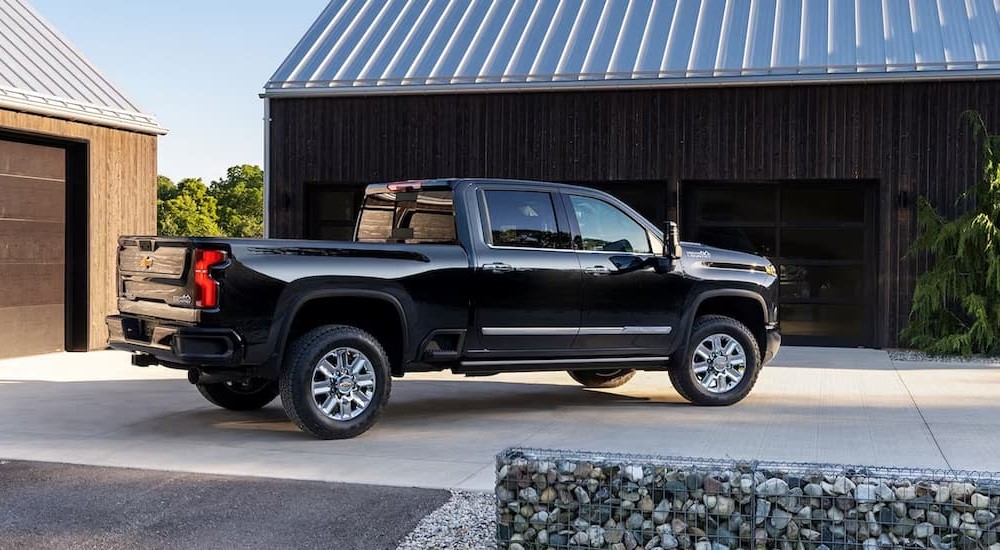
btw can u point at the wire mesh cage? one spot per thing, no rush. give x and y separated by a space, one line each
568 499
571 499
835 507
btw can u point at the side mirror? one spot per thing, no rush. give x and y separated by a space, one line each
671 241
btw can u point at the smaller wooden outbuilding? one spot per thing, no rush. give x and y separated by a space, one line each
77 169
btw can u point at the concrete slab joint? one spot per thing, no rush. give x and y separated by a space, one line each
568 499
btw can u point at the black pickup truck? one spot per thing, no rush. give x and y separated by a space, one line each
472 275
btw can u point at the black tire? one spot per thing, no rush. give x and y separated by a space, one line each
602 378
686 381
299 372
240 395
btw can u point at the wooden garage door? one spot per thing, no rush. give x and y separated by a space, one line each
32 248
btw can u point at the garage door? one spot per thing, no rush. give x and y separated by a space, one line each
821 237
32 248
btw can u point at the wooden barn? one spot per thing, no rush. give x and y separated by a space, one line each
77 169
803 131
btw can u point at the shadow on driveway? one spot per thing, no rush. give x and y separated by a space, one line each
173 408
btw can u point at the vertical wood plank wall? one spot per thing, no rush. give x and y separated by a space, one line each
908 137
122 199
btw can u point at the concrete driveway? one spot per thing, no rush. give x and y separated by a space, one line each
442 431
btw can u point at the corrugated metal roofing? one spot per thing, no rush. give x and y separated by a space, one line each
40 72
366 46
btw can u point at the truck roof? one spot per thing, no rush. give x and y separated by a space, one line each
451 183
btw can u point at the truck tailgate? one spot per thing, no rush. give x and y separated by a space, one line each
154 277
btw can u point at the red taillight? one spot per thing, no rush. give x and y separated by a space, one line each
411 185
206 286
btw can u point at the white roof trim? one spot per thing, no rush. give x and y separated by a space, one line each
638 83
586 44
28 102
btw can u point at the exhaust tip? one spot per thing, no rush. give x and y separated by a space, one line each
194 375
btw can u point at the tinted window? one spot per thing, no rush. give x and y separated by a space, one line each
410 217
606 228
523 219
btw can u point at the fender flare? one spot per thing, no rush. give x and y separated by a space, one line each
280 332
687 321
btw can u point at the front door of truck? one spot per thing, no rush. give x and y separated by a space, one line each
527 277
630 300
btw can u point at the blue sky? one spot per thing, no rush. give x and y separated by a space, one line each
197 65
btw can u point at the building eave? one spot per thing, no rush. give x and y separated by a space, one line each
75 111
318 89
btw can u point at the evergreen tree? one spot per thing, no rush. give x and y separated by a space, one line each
956 304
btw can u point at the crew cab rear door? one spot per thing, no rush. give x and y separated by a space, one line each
527 278
631 301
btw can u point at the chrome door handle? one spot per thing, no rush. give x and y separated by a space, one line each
498 267
597 270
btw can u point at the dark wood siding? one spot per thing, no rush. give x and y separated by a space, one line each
908 137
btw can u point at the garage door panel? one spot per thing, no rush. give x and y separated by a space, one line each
818 234
32 249
32 242
33 161
26 198
32 329
32 284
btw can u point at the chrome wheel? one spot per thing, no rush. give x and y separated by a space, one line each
343 384
719 363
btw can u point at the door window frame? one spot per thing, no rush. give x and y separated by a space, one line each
563 224
577 236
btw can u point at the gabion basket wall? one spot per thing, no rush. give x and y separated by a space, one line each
549 499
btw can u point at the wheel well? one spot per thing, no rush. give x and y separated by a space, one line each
378 317
745 310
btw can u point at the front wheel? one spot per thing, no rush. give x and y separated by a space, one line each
335 382
720 365
248 394
602 378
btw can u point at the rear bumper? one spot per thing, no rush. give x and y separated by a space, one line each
773 337
175 345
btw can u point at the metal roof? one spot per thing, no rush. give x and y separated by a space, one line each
40 72
371 46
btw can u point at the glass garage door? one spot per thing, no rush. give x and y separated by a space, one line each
819 235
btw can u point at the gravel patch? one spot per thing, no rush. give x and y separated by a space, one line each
913 355
466 522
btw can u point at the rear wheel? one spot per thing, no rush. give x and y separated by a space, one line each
247 394
335 382
611 378
720 365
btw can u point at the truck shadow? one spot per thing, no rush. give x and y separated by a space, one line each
423 401
462 397
174 409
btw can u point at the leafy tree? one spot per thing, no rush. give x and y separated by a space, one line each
189 211
232 206
240 197
165 188
956 304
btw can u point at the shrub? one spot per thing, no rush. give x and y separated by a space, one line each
956 303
